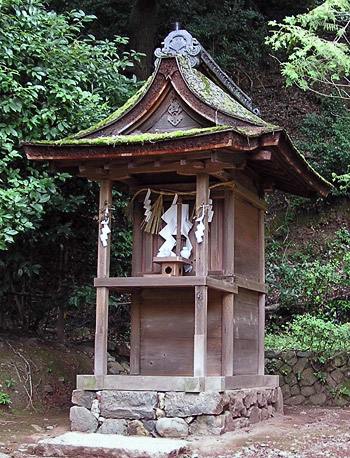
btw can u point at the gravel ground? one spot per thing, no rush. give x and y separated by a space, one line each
301 432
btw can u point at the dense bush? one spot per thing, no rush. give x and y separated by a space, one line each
53 82
310 333
313 278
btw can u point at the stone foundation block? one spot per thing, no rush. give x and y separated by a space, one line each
216 425
178 404
136 428
82 420
172 427
254 415
112 426
83 398
128 404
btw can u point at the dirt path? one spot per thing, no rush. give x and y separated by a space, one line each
302 432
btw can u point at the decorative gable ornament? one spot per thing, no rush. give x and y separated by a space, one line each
180 43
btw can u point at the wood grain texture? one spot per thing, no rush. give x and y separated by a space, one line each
261 355
227 333
103 253
102 294
135 334
167 332
246 240
245 330
229 234
200 331
216 242
100 360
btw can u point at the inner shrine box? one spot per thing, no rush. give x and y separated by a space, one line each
188 146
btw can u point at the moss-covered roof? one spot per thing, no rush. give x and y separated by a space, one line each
141 138
214 96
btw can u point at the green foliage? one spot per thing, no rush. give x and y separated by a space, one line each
316 44
53 82
4 398
10 383
326 140
308 332
307 279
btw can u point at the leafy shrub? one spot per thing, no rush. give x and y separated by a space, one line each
312 279
308 332
5 398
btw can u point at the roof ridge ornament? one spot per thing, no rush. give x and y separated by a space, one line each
180 43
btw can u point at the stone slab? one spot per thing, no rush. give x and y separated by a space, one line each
105 445
133 405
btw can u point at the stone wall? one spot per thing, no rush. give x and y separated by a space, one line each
304 380
172 414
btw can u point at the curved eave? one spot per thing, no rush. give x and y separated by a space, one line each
287 170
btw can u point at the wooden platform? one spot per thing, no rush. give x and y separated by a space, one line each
160 281
166 383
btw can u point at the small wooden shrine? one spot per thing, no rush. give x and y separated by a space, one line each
196 159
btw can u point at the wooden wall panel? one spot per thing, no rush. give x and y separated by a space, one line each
246 240
167 330
245 332
216 228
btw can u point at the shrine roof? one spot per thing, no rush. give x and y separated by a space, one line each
188 110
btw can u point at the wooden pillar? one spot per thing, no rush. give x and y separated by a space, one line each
228 299
201 292
135 334
261 341
102 294
227 333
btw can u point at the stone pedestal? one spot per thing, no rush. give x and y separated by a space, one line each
172 414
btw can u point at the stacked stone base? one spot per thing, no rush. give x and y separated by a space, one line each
172 414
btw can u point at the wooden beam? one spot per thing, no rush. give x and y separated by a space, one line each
261 335
221 285
160 281
227 334
135 334
252 285
250 196
200 331
233 158
102 294
262 155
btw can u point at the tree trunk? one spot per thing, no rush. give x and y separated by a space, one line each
142 29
